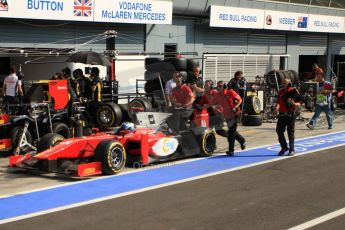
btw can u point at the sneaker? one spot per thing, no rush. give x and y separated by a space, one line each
330 127
282 151
310 126
243 145
230 153
291 152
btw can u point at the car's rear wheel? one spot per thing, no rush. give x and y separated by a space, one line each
112 155
207 143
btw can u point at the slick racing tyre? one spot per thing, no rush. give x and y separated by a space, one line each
112 155
61 129
138 104
16 134
252 105
207 143
251 120
180 64
191 64
150 61
109 115
49 140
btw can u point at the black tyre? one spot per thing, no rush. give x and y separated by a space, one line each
16 134
334 102
125 114
49 140
166 76
151 61
150 75
180 64
109 115
152 85
112 155
61 129
251 120
296 76
272 80
252 105
207 143
191 64
138 105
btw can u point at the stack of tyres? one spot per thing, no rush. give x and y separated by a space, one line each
275 78
251 116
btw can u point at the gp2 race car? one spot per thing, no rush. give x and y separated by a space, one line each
158 137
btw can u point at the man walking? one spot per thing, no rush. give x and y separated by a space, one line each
323 101
288 103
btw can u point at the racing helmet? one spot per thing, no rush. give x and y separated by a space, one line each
127 126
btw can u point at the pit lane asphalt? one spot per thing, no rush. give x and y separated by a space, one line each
277 195
14 181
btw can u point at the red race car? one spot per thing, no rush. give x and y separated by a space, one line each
158 137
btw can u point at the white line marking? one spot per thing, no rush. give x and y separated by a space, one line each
158 186
182 161
319 220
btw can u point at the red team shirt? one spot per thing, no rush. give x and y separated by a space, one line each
182 94
223 103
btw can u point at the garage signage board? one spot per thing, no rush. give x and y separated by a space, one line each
77 10
133 11
127 11
236 17
277 20
233 17
321 23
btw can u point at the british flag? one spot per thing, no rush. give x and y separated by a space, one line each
83 8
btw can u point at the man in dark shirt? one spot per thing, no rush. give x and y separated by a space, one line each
96 85
238 83
83 84
196 83
288 102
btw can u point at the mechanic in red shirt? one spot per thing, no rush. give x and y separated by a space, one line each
288 103
181 96
225 102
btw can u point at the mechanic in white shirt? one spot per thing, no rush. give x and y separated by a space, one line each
170 85
12 86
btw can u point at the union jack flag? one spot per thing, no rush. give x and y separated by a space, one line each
83 8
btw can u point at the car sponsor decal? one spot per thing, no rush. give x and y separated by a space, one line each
165 147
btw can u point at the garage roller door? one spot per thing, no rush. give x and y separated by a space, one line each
223 66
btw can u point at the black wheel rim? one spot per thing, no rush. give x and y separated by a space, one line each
116 157
210 142
104 116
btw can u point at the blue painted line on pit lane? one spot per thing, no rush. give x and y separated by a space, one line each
28 203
